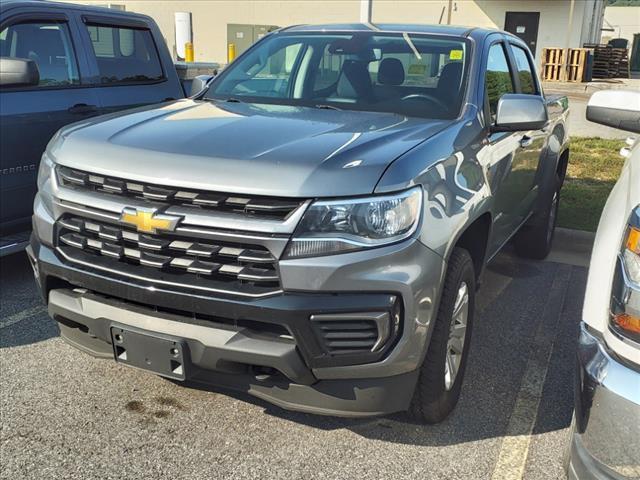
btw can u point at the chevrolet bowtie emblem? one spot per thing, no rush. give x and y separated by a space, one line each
148 220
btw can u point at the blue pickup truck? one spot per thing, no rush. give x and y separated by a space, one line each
62 63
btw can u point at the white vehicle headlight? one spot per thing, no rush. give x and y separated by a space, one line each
338 226
625 292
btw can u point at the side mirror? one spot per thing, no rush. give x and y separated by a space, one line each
18 72
615 108
517 112
199 83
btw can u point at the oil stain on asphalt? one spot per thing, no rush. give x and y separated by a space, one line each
164 407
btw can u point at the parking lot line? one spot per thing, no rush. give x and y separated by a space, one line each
515 445
22 315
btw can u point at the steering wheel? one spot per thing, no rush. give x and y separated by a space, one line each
428 98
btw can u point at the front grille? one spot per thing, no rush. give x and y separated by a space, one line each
261 207
191 262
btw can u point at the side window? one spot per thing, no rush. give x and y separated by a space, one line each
498 79
125 55
328 70
46 43
280 64
264 75
525 72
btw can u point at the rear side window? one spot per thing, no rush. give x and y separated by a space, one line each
525 72
498 79
49 45
125 55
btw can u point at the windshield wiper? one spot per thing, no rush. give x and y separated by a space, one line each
229 100
328 107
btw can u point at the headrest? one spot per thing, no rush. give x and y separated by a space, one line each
451 75
391 72
354 81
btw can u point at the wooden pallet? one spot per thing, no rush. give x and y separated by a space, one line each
576 64
609 62
552 64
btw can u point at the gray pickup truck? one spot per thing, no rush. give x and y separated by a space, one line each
61 63
312 229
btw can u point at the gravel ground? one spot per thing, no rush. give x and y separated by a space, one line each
64 414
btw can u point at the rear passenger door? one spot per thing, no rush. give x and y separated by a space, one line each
30 115
126 63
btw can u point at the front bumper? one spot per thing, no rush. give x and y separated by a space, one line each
292 374
606 441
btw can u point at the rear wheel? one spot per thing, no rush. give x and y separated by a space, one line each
440 377
535 240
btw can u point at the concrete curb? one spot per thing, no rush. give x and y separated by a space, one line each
572 247
576 240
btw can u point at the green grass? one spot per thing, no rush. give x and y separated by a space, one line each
594 167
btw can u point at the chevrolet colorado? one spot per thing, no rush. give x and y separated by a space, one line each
312 228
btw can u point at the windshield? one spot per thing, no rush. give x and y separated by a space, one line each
408 74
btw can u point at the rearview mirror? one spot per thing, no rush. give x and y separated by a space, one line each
518 112
18 72
615 108
199 83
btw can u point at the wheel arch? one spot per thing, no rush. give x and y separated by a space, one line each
474 238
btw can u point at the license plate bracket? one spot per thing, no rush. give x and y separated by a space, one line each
160 354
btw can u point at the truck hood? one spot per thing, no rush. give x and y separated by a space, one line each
244 148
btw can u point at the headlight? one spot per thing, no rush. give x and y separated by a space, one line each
339 226
631 254
625 292
44 171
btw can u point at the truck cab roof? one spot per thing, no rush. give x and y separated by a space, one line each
477 33
7 5
434 29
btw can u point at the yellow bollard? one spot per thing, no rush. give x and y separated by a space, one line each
188 52
231 52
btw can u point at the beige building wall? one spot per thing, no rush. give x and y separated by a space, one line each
210 17
553 30
625 21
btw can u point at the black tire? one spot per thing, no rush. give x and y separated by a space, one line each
432 402
535 239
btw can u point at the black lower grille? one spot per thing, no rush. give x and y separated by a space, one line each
346 337
189 261
352 333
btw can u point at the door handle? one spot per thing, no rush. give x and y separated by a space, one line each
526 141
82 108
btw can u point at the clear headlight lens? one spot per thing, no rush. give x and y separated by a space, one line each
631 253
339 226
45 170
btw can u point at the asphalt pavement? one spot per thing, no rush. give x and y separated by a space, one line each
64 414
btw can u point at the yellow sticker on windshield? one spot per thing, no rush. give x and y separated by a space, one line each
455 55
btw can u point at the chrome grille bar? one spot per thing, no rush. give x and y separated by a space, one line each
204 259
261 207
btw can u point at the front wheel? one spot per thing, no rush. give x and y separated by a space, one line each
440 377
